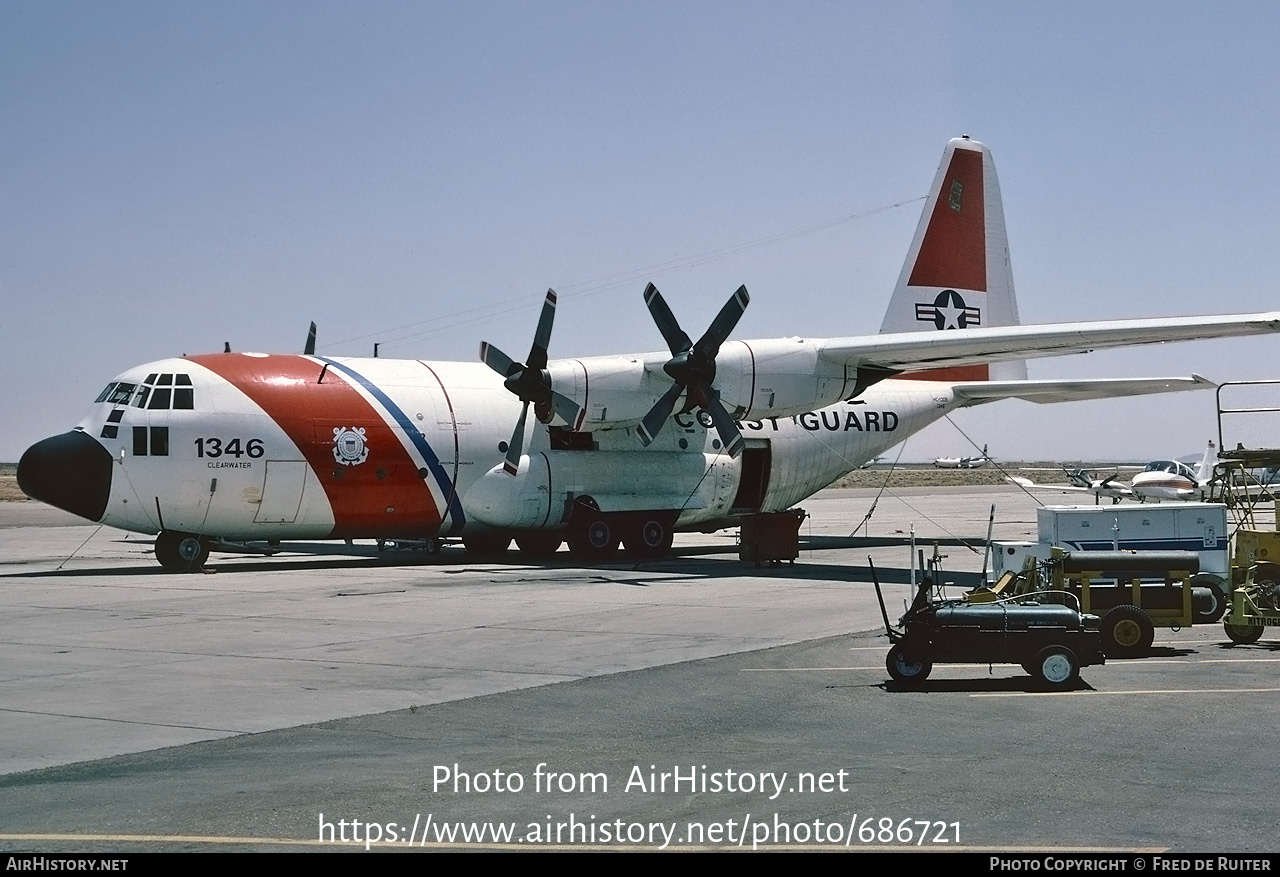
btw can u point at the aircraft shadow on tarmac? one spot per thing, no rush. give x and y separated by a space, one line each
704 561
818 543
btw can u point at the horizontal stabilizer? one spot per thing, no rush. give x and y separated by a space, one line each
1074 391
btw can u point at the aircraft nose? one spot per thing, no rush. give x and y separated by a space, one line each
71 471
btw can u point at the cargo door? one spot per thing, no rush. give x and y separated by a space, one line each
753 480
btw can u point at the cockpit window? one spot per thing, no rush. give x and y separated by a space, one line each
120 395
183 394
1171 466
159 392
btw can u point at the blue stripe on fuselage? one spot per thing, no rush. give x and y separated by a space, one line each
456 517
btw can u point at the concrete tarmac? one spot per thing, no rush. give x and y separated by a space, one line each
270 703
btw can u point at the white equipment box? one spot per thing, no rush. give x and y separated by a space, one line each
1185 526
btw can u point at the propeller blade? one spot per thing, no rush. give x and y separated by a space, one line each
310 348
542 337
709 344
497 360
516 447
530 383
568 410
658 414
677 340
692 367
730 436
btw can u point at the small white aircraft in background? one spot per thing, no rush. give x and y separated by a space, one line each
1159 480
1172 480
963 462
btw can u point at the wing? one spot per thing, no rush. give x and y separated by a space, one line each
911 351
1114 491
1076 390
1028 484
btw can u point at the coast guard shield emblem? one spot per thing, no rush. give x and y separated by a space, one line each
348 445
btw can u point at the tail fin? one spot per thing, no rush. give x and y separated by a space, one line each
1204 472
957 274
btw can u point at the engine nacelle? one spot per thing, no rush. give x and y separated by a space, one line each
777 377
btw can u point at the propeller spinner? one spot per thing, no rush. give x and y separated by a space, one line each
692 367
531 382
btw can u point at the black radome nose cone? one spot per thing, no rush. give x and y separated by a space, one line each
71 471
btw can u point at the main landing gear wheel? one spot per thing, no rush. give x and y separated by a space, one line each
1127 632
1056 666
908 672
648 538
181 552
595 539
486 544
539 543
1242 634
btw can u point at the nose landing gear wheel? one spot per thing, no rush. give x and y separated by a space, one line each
181 552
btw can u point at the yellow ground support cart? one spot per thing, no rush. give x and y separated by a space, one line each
1134 592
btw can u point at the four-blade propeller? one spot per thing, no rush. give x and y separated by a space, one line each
692 367
531 382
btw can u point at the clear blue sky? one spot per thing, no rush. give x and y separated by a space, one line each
176 175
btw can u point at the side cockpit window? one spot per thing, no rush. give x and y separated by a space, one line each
111 427
151 441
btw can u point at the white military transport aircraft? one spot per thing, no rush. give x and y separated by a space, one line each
240 447
963 462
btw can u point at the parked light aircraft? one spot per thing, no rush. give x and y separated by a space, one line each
241 447
1159 480
963 462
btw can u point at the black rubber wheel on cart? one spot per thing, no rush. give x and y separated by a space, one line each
1057 666
1127 632
1242 634
905 670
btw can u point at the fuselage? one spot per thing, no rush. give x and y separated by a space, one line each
1168 480
244 446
